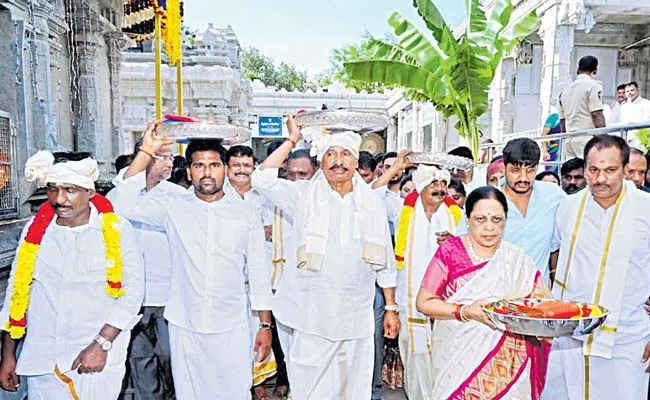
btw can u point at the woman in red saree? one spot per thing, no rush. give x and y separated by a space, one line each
472 360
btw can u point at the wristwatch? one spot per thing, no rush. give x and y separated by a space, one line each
265 325
392 307
105 344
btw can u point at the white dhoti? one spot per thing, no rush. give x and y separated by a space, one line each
571 376
105 385
418 365
211 366
320 369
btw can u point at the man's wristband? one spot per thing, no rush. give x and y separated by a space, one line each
293 143
147 152
265 325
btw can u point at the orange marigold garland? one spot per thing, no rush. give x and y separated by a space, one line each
401 236
26 261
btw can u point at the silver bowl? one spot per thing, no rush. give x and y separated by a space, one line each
443 160
543 327
334 121
182 132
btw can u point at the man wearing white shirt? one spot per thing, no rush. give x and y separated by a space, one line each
615 114
603 234
83 293
635 110
149 356
343 248
216 245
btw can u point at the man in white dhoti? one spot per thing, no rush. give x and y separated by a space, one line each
216 245
149 355
343 247
425 222
603 235
75 288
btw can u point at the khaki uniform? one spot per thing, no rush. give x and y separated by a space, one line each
577 102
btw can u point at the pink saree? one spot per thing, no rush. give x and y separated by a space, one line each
471 361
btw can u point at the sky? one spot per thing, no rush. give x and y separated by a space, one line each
301 34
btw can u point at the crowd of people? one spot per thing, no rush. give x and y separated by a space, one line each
210 273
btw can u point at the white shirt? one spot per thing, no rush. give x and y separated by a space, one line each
153 244
68 304
615 113
336 302
393 202
635 112
633 322
211 244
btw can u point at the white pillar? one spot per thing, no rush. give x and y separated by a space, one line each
502 99
557 31
401 135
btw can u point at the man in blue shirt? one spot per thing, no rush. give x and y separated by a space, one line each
531 204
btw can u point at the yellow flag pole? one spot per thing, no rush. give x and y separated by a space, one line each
158 61
179 90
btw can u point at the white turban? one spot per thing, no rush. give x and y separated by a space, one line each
425 174
40 167
321 142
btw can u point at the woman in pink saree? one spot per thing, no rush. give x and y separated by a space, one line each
471 359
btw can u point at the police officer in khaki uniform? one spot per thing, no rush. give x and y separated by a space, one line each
581 106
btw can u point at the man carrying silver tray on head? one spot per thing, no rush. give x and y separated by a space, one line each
604 236
343 248
216 245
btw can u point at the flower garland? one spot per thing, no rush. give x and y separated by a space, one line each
26 261
401 235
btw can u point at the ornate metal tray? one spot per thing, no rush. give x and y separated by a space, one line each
182 132
441 159
333 121
525 324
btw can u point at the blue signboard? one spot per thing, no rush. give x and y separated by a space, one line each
269 126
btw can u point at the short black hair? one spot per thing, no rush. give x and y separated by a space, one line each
239 151
544 174
273 146
572 165
521 152
458 186
484 193
622 86
390 154
123 161
462 151
588 64
302 153
605 141
65 156
379 157
634 150
405 180
205 145
367 161
636 85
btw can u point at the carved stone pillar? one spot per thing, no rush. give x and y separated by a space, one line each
116 42
87 104
43 103
557 31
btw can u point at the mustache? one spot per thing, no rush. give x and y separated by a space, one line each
522 182
439 194
206 179
59 206
242 174
339 166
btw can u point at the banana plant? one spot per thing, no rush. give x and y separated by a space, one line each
453 72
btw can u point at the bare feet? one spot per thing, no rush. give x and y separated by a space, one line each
259 393
281 391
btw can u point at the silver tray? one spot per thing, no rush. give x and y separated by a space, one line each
182 132
543 327
333 121
441 159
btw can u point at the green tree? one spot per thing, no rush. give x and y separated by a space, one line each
350 53
453 73
256 65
